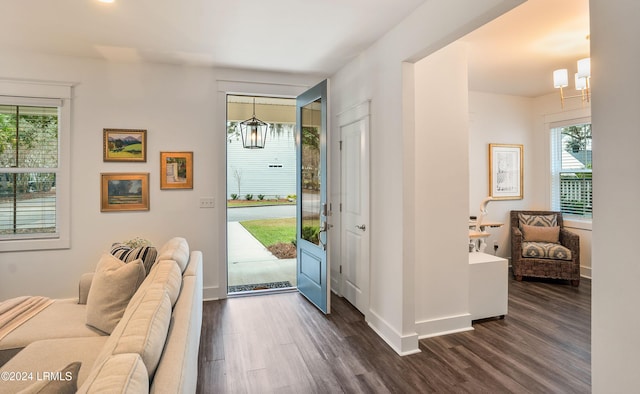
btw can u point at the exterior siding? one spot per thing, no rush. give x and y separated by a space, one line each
270 171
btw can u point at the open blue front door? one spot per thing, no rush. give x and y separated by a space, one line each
312 269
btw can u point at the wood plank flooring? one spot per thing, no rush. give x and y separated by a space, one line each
280 343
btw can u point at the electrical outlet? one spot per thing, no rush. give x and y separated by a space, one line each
207 202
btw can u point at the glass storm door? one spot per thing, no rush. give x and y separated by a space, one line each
312 267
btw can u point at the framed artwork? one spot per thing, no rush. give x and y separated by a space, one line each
176 170
124 192
506 171
124 145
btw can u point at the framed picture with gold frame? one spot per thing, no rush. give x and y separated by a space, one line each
176 170
506 174
124 192
124 145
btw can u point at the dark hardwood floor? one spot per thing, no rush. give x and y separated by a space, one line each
280 343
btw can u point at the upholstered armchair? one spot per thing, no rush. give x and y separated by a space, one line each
541 247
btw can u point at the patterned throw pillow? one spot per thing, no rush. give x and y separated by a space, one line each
538 220
128 254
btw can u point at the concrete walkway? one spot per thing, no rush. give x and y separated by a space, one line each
250 262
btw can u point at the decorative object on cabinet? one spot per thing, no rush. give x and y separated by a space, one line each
477 228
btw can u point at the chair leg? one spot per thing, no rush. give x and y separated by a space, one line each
575 283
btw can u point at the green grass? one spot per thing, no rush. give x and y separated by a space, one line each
130 151
256 202
272 231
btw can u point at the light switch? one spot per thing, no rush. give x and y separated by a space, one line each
207 202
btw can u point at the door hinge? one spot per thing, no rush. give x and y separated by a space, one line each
340 145
340 269
340 207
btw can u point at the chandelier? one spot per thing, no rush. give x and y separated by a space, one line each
581 80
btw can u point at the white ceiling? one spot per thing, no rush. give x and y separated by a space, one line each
517 52
514 54
299 36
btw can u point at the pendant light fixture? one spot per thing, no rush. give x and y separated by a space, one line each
582 81
253 131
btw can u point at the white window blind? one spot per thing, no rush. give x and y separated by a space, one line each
571 168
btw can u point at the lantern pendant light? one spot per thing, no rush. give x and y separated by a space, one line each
253 131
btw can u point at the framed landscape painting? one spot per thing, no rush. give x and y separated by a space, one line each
124 192
176 170
505 171
124 145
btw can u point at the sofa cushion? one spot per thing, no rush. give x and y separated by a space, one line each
53 355
65 383
113 285
177 371
164 272
176 249
66 315
545 250
120 373
143 328
541 233
538 220
128 254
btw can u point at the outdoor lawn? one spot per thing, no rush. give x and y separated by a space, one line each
256 202
277 235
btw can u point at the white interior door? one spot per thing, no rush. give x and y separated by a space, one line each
354 128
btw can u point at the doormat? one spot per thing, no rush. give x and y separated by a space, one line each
259 286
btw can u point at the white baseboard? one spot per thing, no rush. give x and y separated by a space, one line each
211 293
585 272
443 326
404 345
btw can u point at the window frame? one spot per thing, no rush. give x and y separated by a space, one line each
555 151
36 93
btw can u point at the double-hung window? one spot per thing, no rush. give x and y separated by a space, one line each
34 170
571 166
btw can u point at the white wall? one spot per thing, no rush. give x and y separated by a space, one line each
616 271
180 109
377 74
502 119
441 163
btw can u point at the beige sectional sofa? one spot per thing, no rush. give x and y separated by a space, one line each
152 347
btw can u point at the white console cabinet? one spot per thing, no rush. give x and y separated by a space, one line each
488 286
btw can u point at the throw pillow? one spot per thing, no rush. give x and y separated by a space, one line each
113 285
541 234
538 220
66 382
176 249
128 254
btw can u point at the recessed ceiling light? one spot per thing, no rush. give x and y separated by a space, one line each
106 1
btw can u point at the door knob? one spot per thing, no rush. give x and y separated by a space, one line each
361 227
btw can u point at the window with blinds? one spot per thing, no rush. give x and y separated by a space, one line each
571 169
29 166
